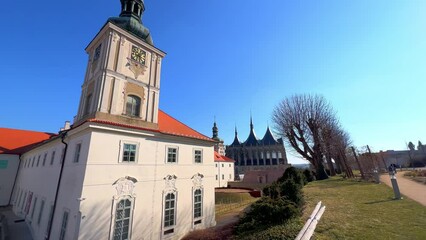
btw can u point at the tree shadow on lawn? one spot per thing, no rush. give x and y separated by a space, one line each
337 183
381 201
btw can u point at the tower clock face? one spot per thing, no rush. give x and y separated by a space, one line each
138 55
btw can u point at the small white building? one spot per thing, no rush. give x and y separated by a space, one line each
225 171
124 169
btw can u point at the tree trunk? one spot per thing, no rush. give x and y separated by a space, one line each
330 166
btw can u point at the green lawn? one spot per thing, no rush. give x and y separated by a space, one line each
361 210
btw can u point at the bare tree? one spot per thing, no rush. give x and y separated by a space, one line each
301 120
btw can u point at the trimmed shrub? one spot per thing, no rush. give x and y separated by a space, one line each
267 212
295 174
309 175
279 232
292 191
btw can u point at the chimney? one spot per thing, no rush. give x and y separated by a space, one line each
67 126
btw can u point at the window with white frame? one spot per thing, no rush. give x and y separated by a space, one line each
169 210
123 220
52 158
77 152
198 156
129 152
198 203
172 154
64 225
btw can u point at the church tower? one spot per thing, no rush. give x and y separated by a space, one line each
122 81
218 146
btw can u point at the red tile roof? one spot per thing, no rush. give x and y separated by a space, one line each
15 141
166 125
221 158
169 125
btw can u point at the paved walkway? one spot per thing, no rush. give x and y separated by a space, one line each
17 230
410 189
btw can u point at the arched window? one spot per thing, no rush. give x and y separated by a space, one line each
198 203
122 220
133 105
169 210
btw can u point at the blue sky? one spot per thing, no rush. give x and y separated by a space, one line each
230 58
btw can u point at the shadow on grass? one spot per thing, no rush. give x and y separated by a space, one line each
337 182
381 201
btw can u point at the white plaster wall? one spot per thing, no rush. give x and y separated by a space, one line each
104 168
41 181
227 170
71 184
7 177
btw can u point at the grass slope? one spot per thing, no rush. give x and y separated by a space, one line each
360 210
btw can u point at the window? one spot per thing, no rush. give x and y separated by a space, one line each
198 203
44 159
87 104
229 165
129 152
230 176
172 155
169 210
97 53
122 220
198 156
223 176
40 212
23 200
32 162
63 226
222 164
52 158
19 198
133 105
77 152
34 206
216 164
216 177
38 160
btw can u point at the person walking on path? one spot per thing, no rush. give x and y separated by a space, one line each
413 190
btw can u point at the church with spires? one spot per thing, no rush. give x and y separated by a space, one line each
267 153
123 169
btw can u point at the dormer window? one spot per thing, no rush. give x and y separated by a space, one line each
133 106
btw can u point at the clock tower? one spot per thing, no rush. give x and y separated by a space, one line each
122 81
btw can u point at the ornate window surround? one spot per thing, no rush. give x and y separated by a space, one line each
170 187
197 181
125 190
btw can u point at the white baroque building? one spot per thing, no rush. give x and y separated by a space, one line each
225 171
124 169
